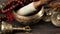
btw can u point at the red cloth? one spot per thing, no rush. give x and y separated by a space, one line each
10 16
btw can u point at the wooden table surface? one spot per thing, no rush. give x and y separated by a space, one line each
43 28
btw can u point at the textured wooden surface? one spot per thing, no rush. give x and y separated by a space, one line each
40 28
43 28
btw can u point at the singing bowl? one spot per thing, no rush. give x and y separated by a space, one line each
28 20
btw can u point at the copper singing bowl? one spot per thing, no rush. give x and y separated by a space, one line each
28 20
